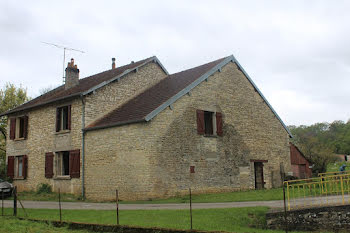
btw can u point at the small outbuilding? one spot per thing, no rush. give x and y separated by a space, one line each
301 167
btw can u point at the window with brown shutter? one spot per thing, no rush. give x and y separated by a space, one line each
19 127
11 166
13 128
200 122
25 166
74 163
25 127
49 165
219 130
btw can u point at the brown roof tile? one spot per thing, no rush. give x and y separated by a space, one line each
85 84
139 107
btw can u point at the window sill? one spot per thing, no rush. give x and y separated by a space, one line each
63 131
62 178
210 136
19 139
18 178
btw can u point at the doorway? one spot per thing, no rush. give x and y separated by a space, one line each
259 175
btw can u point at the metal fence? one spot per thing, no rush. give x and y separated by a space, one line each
325 190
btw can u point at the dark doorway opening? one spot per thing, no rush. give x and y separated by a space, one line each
259 175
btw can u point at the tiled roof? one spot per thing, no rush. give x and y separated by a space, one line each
84 85
142 105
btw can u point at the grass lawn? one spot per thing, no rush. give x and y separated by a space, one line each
13 225
251 219
33 196
251 195
334 167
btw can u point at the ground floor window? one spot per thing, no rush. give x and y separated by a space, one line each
17 166
62 163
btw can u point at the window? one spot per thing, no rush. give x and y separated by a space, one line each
62 163
209 123
18 127
63 118
17 166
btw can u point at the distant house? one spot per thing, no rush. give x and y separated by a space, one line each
342 157
300 165
149 133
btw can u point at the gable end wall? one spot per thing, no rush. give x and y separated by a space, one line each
153 159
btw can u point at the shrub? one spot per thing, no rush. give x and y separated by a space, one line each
44 188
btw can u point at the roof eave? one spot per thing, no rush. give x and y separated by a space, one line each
40 105
114 125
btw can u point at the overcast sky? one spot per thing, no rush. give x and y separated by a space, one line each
297 52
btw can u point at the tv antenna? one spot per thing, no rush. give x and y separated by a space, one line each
64 54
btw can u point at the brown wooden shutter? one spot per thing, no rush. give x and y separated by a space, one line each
12 128
49 165
25 127
58 119
219 131
74 163
25 166
200 121
11 166
69 116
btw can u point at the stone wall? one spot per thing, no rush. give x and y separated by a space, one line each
153 159
334 219
42 135
42 138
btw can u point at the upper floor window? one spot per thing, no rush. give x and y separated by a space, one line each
18 127
209 123
63 118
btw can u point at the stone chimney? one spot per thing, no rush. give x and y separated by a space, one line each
72 75
113 63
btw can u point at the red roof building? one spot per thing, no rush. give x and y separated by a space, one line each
300 165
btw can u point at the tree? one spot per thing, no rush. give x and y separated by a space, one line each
319 142
10 97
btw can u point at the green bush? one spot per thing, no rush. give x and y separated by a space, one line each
44 188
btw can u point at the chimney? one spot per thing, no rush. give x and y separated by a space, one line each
113 63
72 75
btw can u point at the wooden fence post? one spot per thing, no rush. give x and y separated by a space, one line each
117 204
15 201
59 203
191 207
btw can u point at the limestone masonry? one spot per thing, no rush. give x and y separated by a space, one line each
216 134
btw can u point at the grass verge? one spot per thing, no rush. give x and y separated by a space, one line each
13 225
250 219
239 196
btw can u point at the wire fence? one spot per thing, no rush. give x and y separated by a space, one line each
60 214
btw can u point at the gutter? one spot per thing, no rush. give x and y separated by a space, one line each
83 147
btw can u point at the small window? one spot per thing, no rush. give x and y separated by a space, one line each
62 163
19 167
63 118
208 123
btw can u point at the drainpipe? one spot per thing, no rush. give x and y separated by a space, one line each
83 147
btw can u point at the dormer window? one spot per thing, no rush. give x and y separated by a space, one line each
18 127
63 118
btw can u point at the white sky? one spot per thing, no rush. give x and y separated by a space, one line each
297 52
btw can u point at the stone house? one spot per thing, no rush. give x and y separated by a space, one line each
148 133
